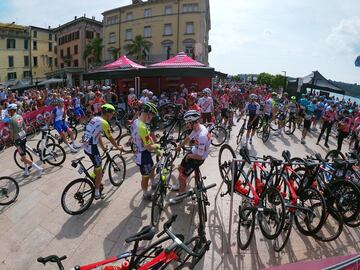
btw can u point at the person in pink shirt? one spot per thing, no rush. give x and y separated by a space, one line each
328 120
344 129
355 126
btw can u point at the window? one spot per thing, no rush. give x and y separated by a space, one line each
62 53
12 76
50 47
147 12
11 44
76 35
11 61
76 63
50 61
168 10
26 61
26 74
189 51
129 16
34 45
35 34
50 36
187 8
35 60
112 20
62 65
167 29
128 34
76 49
69 63
147 31
189 28
112 37
55 37
26 44
89 34
68 52
98 35
167 50
55 49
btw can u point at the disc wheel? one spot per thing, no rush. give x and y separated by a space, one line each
289 127
266 133
9 190
117 170
77 196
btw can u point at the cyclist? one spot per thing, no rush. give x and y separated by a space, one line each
252 108
191 102
344 129
79 112
281 114
320 106
96 103
16 125
59 114
206 104
97 126
225 107
268 107
303 103
292 107
328 119
309 115
144 145
200 139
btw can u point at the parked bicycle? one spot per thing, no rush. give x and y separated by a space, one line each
9 190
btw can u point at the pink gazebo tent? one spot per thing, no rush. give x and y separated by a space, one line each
123 63
181 60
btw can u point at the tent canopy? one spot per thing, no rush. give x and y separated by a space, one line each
180 60
51 81
317 81
123 63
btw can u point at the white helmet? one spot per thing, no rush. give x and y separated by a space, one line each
12 106
207 91
145 91
150 93
253 96
191 116
131 90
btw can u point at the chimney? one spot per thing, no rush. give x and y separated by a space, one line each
75 18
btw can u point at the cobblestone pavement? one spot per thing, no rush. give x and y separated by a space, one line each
35 225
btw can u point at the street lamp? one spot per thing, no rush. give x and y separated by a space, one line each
285 84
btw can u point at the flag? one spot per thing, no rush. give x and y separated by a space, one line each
357 62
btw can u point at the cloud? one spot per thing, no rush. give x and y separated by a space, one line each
345 37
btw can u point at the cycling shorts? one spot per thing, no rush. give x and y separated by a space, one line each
307 123
253 124
146 163
225 113
190 165
61 126
21 146
79 112
95 156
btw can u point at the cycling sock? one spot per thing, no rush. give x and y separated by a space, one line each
36 166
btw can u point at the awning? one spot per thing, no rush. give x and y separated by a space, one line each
123 63
51 81
179 60
317 81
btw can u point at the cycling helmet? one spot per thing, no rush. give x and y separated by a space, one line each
293 98
12 106
131 90
207 91
274 94
253 97
108 108
149 108
191 116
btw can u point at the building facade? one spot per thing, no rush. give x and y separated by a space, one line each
14 54
72 38
170 26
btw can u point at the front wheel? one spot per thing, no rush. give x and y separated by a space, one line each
335 154
218 135
117 170
266 133
281 241
115 129
157 205
289 127
246 226
9 190
54 154
18 161
225 159
78 196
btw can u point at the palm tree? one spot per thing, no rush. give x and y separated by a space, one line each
139 48
116 52
93 50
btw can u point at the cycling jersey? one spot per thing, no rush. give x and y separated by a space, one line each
202 141
268 106
225 101
141 137
252 108
310 110
97 103
76 102
206 104
58 113
195 107
303 102
94 129
292 107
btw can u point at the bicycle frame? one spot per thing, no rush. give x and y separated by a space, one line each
82 168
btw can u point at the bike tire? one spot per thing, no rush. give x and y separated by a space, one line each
18 161
266 133
157 205
117 170
240 135
334 154
126 141
56 152
78 196
49 140
271 196
290 127
246 225
8 184
333 225
182 137
281 241
226 155
218 135
115 129
196 244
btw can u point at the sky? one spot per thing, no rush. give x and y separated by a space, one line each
247 36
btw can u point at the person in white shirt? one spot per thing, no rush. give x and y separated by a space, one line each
206 104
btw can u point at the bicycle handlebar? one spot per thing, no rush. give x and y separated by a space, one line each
54 259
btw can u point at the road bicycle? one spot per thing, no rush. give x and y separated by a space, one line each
9 190
263 132
239 137
168 251
79 194
51 153
289 122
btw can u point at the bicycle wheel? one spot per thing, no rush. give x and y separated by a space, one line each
117 170
266 133
54 154
74 130
78 196
157 205
218 135
289 127
18 161
246 226
240 135
196 245
332 228
225 158
346 197
271 214
335 154
30 131
202 201
9 190
126 141
281 241
115 129
182 137
154 250
311 214
49 140
274 124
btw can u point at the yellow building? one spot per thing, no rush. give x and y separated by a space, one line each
170 26
43 52
14 54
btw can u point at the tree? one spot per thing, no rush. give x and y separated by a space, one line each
93 50
139 48
265 78
277 81
116 52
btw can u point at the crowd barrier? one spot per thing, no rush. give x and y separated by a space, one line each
40 114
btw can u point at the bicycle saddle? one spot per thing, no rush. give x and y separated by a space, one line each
75 162
146 233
